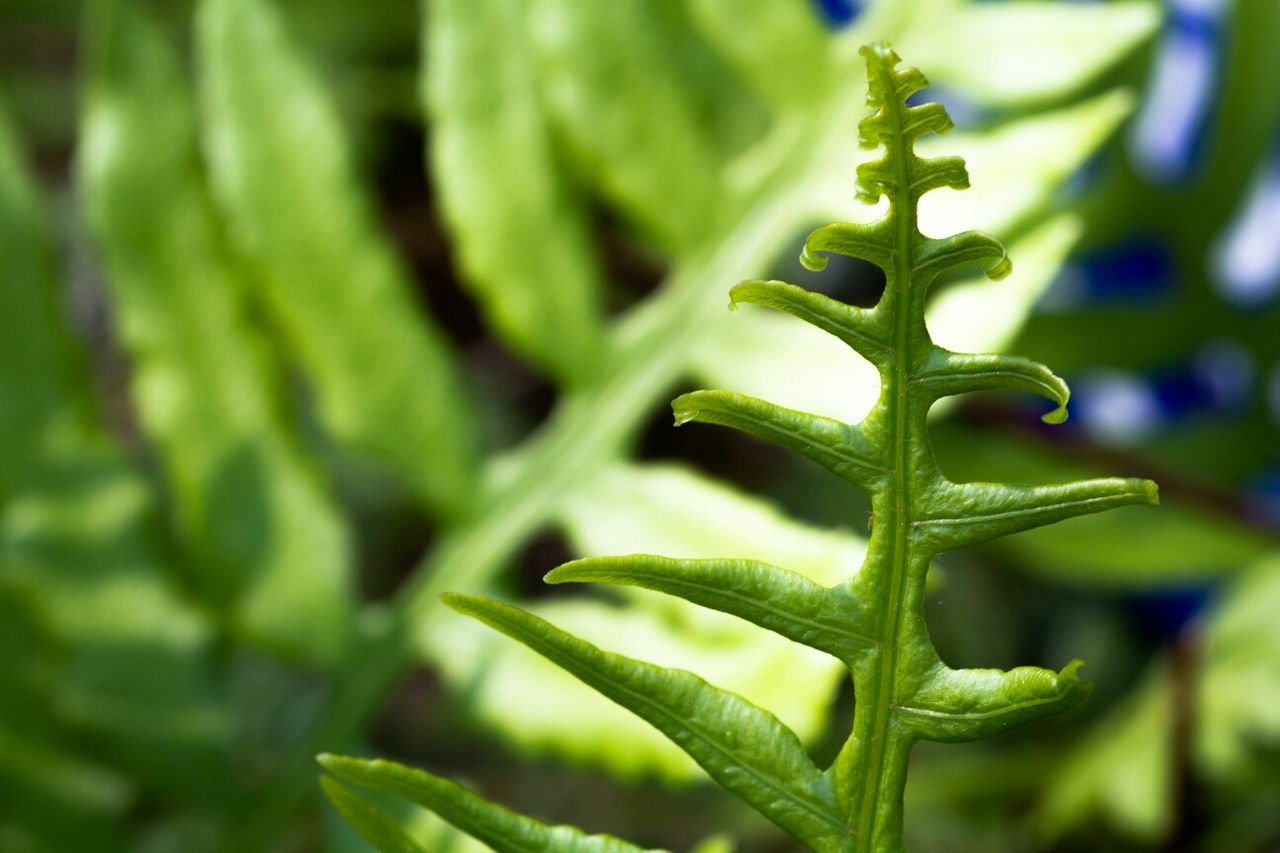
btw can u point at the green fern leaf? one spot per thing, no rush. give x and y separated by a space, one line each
503 830
373 825
873 621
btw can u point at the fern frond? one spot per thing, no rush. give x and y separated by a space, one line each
873 621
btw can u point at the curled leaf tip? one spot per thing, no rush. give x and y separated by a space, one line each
812 261
1069 680
685 416
683 409
879 55
566 573
735 293
458 601
1000 269
1057 416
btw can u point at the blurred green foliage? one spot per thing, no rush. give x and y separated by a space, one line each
269 386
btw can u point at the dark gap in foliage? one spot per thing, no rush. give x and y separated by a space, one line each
806 491
959 596
421 722
272 704
390 529
850 280
839 722
966 455
540 555
410 216
631 271
990 788
1019 421
512 398
1028 619
729 456
38 83
90 315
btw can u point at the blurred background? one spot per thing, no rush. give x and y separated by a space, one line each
310 311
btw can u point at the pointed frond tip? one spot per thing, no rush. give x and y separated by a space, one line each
371 823
897 124
957 515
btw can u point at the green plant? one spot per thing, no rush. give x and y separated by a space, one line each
872 622
185 558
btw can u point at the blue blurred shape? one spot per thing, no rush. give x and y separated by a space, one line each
840 13
1138 269
1246 259
1125 406
1262 494
1117 406
1164 612
1226 374
964 112
1170 129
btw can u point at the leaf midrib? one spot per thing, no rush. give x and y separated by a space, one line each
837 627
897 396
983 518
978 716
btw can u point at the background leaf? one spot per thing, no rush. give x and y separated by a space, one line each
1028 52
281 169
266 543
101 647
524 241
